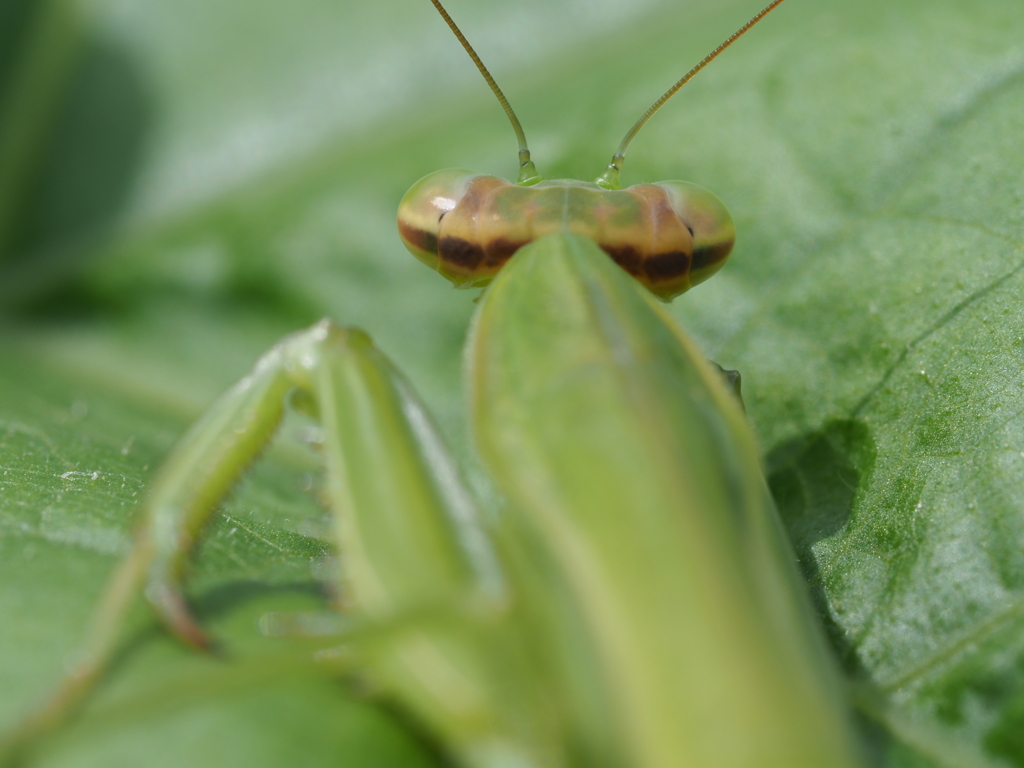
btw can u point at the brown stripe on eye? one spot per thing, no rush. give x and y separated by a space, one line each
710 255
461 253
626 256
666 266
501 250
419 238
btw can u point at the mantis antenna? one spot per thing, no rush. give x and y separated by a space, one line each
610 178
527 171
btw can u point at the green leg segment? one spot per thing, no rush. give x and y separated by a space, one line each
638 488
416 561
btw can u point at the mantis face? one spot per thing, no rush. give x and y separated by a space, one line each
669 236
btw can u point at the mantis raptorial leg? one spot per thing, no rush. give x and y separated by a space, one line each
408 530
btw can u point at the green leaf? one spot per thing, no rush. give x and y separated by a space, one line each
217 174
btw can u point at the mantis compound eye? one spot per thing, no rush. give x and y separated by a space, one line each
423 207
710 223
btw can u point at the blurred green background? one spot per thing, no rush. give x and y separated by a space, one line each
183 183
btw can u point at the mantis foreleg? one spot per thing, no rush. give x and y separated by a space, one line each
416 559
636 474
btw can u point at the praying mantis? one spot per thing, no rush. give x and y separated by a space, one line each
540 635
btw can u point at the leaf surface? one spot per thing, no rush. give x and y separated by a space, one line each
220 173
